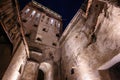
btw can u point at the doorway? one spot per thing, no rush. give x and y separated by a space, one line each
40 75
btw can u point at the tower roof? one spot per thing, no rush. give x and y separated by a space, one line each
45 9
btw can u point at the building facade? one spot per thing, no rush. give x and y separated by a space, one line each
13 49
29 42
32 46
42 28
90 44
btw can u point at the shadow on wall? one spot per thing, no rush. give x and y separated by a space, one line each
113 73
5 52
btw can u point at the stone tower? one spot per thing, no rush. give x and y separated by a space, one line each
89 48
41 25
42 28
90 44
29 42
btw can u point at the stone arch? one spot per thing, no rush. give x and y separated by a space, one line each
40 75
110 70
47 69
110 63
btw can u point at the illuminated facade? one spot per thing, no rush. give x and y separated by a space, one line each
32 47
42 28
29 42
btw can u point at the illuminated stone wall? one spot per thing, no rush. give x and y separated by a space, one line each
13 49
42 28
30 71
90 41
16 66
41 25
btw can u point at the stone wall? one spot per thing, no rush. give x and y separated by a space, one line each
42 29
16 66
30 71
90 41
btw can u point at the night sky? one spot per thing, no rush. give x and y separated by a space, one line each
66 8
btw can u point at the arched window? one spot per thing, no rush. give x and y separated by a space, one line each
58 25
33 13
36 20
52 21
38 15
27 10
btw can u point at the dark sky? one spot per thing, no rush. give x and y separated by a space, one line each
66 8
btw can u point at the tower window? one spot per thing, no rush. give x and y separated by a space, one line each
51 21
54 44
27 11
24 20
27 35
35 25
39 39
42 18
72 71
33 13
58 25
45 30
36 20
47 21
58 35
38 15
20 69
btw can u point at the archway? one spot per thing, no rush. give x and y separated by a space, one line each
47 69
40 75
111 69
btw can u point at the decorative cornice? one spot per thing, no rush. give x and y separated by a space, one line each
46 9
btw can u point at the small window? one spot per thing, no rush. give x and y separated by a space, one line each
38 15
58 25
27 10
58 35
20 69
42 18
35 25
54 44
93 38
33 13
72 71
51 21
24 20
27 35
47 21
45 30
36 20
39 39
